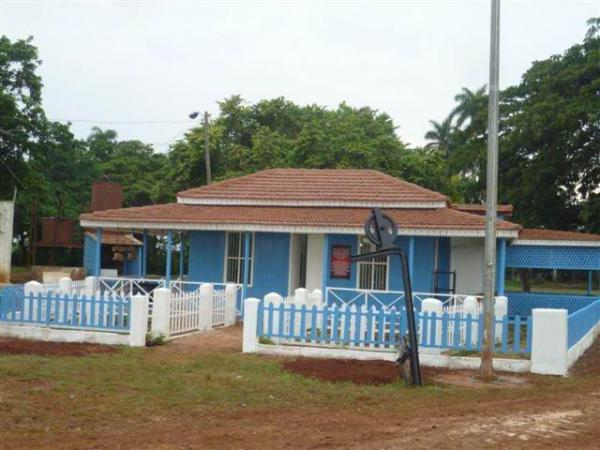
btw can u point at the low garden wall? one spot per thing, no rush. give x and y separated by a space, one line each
547 342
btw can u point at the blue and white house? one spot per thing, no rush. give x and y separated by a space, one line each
281 229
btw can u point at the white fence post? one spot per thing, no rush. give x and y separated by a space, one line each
161 312
500 310
65 287
549 347
275 299
430 306
138 321
32 288
300 295
207 291
250 342
230 297
316 297
470 306
91 286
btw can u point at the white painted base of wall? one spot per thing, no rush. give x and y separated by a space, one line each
431 360
584 343
62 335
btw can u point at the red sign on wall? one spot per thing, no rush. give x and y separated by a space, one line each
340 262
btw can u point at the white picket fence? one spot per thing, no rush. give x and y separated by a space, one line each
179 312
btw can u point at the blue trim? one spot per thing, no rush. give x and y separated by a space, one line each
411 258
553 257
325 274
98 255
145 254
501 266
247 237
181 254
169 268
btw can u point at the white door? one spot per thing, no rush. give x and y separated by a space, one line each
466 259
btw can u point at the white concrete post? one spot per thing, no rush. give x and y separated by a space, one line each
316 297
429 306
500 310
207 291
300 295
32 288
250 343
161 312
65 287
138 321
470 306
549 348
90 286
230 297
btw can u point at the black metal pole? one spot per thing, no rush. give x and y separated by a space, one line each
415 366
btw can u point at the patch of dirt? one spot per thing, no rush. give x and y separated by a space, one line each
358 372
384 372
221 340
21 346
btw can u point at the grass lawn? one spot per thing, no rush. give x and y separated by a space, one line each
175 397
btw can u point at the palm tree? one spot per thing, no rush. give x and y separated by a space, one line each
470 104
440 135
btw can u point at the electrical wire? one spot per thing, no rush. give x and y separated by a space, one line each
117 122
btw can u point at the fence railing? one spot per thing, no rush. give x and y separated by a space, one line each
522 303
581 322
389 299
126 287
382 328
67 311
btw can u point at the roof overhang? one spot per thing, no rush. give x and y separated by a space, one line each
311 203
183 226
556 242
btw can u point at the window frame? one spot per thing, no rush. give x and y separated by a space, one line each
373 264
240 259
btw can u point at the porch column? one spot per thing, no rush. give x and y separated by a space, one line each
325 266
181 254
589 283
501 269
145 255
411 258
169 258
246 266
98 255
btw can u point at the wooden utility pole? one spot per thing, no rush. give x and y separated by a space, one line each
206 149
486 371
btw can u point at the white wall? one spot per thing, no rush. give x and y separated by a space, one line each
466 259
295 253
6 231
314 262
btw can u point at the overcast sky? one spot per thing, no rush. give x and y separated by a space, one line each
158 61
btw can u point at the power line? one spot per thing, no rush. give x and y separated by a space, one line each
117 122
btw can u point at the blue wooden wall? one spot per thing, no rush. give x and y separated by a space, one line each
271 261
423 263
89 255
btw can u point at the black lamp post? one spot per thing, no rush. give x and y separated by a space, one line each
382 231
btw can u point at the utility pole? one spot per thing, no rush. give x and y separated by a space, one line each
206 150
486 370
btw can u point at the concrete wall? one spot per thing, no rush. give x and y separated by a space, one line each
314 262
6 232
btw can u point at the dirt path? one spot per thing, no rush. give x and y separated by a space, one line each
535 412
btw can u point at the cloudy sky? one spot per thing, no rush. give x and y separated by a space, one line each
158 61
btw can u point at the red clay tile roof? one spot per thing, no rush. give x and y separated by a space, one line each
480 209
314 185
542 234
178 213
115 238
